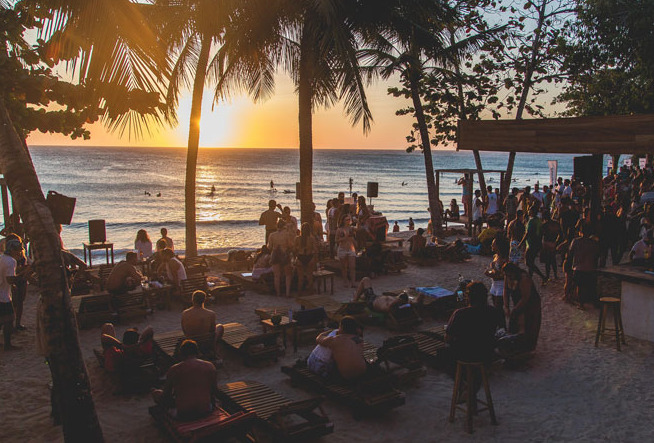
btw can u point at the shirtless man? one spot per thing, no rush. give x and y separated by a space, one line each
199 321
190 385
124 276
270 217
379 303
418 243
346 347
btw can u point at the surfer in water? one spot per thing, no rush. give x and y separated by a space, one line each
213 191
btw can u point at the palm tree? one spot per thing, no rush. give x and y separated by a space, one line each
418 48
114 57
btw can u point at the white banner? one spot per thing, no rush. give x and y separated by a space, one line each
642 162
609 163
554 166
627 162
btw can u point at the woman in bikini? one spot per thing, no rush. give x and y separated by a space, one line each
347 254
305 248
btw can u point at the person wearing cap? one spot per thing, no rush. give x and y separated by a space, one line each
8 263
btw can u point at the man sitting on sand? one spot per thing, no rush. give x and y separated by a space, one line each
190 389
346 348
198 321
418 243
124 276
378 303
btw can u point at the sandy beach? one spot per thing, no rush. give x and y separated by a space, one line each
570 390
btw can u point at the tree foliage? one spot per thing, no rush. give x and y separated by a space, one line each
610 59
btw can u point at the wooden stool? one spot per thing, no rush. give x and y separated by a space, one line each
612 303
466 382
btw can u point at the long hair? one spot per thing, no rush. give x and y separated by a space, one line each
142 236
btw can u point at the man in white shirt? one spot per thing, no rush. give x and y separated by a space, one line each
491 201
538 195
642 249
13 250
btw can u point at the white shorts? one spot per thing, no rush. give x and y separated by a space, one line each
497 288
344 253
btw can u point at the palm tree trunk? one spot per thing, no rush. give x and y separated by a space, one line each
305 122
72 393
193 146
526 87
434 205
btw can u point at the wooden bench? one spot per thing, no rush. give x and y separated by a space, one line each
166 347
431 344
245 279
218 426
196 266
370 397
92 309
252 347
103 274
129 305
282 419
219 293
399 356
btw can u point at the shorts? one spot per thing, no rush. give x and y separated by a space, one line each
320 367
344 253
497 288
6 313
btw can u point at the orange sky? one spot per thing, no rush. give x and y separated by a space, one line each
273 123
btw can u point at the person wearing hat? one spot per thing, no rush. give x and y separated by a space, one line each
8 262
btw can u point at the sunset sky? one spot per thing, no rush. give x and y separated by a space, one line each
272 124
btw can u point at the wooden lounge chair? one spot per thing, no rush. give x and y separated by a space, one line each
129 305
280 419
92 309
399 357
196 266
252 347
218 426
310 323
219 294
371 396
260 286
268 312
166 346
402 317
431 344
334 309
103 274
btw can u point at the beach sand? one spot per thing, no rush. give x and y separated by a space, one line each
569 391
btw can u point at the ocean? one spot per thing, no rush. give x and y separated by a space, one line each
111 184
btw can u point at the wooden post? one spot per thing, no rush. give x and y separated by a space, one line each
470 185
596 187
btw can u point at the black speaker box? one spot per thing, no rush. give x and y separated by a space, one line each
372 190
61 207
587 168
97 231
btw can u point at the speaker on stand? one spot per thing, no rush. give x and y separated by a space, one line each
372 190
97 231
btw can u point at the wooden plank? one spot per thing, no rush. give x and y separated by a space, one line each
623 134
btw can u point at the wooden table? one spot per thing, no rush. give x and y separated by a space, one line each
322 276
157 295
268 325
93 246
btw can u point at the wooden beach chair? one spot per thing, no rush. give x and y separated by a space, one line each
431 344
166 347
219 293
371 396
103 274
260 286
280 419
92 309
130 305
334 309
218 426
400 358
252 347
402 317
268 312
196 266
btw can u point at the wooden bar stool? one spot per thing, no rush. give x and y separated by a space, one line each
612 303
464 380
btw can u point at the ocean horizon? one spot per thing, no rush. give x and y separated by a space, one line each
121 186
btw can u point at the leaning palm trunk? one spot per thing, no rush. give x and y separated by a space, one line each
434 205
193 147
59 340
305 122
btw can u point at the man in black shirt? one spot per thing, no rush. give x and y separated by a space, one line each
471 330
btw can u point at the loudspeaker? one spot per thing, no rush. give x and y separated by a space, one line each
61 207
372 190
587 169
97 231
